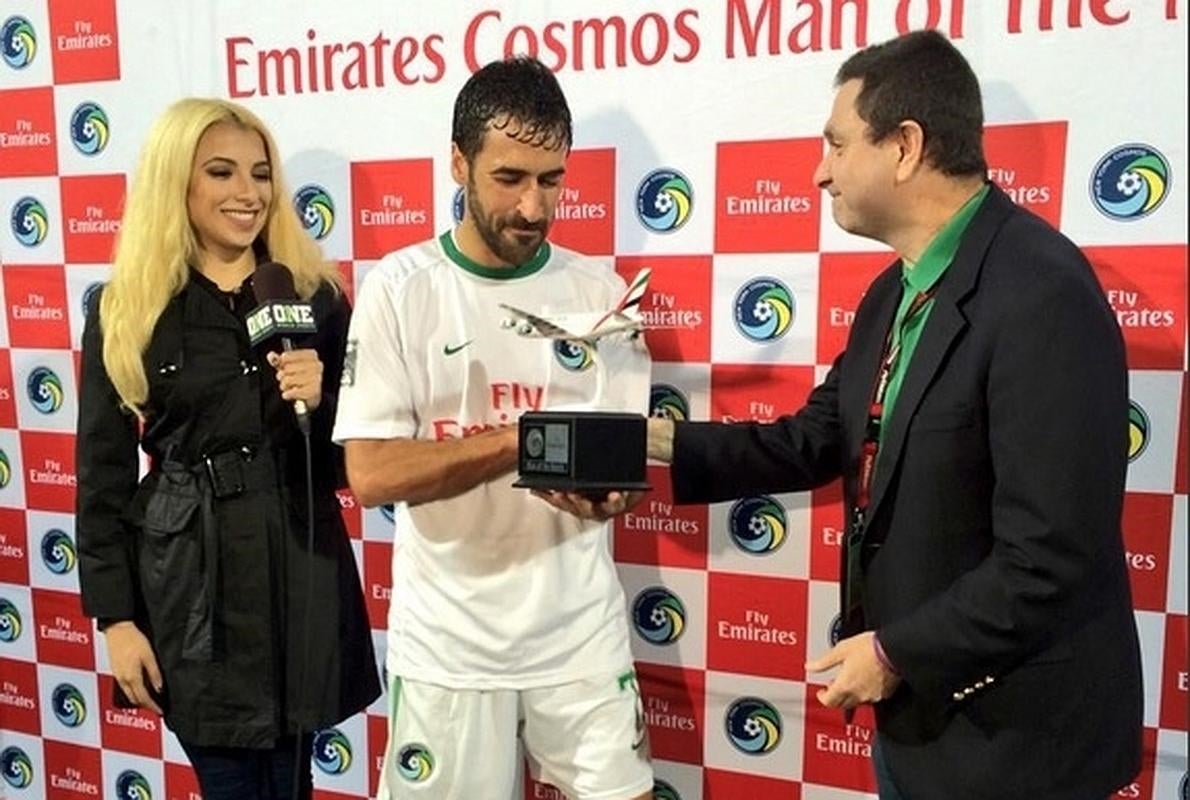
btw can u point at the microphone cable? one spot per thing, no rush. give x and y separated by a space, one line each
301 683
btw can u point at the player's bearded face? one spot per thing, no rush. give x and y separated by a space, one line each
509 236
513 185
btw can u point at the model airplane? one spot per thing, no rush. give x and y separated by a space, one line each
589 326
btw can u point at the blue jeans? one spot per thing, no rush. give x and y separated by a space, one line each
885 787
240 773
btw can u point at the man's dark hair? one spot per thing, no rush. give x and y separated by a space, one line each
922 77
517 96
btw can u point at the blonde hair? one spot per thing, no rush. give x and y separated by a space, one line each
156 244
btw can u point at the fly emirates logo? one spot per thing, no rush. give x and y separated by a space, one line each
507 401
25 134
572 206
758 411
14 696
666 313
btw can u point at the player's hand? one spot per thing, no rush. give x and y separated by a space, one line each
132 660
585 507
299 374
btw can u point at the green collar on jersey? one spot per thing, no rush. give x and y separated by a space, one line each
498 273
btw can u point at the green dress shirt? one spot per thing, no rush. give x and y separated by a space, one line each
918 278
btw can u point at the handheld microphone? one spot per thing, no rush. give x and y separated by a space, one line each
280 313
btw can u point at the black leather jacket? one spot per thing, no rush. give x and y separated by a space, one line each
208 553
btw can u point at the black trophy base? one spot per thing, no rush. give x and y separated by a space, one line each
590 453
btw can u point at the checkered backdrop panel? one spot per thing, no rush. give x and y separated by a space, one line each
697 131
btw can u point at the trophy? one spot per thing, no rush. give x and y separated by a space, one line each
585 452
589 452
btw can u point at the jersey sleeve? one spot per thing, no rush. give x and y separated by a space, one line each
375 396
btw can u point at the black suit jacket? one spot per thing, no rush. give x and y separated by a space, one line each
993 563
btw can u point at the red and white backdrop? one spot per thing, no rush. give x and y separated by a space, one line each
697 129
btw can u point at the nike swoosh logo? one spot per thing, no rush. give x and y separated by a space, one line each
447 350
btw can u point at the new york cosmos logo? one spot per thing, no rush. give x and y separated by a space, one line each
663 791
659 616
668 402
5 470
89 129
835 631
16 767
131 785
57 551
1138 430
664 200
45 390
753 726
574 356
10 621
315 209
89 295
415 763
764 309
30 222
757 524
69 706
456 204
1130 182
332 751
18 42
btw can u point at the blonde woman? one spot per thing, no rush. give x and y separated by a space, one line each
197 573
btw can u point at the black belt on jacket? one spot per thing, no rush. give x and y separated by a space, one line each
233 472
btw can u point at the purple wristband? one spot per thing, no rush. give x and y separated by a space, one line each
881 656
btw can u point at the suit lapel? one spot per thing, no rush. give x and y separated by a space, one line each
944 326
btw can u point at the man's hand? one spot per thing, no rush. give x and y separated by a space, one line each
132 659
586 508
661 439
861 679
299 374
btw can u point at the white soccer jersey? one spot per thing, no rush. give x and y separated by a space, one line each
492 588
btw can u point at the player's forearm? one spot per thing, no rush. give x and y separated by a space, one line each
415 471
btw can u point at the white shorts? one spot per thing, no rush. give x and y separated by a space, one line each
587 738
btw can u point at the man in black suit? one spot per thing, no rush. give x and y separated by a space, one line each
978 418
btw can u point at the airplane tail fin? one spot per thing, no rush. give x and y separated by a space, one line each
630 303
627 311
